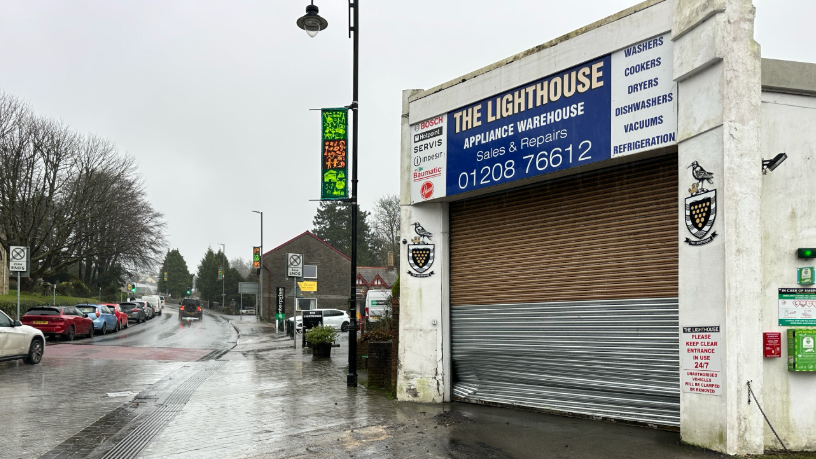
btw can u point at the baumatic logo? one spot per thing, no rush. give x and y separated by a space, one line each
420 173
427 190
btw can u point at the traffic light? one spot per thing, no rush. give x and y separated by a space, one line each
188 291
806 253
133 288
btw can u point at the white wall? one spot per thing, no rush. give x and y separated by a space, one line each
788 213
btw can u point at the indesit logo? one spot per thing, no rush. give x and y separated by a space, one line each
420 253
701 206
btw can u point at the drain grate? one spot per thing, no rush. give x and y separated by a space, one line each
168 406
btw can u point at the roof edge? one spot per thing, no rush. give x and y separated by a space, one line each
309 233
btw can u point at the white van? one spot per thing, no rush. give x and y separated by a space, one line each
377 304
154 301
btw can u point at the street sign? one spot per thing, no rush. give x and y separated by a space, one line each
312 319
308 286
249 288
18 258
294 264
280 298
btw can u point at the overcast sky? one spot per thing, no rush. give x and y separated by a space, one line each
212 98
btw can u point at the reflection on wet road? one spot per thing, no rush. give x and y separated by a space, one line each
213 332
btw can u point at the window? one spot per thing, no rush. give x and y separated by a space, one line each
5 321
42 312
305 304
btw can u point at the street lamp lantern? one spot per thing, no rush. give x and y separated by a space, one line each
312 22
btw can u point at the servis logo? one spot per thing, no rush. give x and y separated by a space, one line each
427 190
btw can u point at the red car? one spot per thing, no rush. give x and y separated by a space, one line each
63 321
120 315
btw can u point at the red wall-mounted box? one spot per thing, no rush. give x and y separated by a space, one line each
772 343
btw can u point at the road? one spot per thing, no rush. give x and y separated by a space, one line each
232 387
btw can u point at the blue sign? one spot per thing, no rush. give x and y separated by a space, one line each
554 123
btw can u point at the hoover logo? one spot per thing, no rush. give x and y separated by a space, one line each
427 190
420 253
701 207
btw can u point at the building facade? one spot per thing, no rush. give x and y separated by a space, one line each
333 270
603 226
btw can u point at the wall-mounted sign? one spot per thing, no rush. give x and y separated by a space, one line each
701 360
307 286
801 350
701 206
421 253
615 105
334 165
797 306
772 344
804 276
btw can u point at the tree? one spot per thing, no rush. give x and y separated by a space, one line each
73 199
332 224
209 286
242 265
385 226
178 276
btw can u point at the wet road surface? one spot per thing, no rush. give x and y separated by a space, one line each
230 387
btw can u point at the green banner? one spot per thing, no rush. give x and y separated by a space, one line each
334 168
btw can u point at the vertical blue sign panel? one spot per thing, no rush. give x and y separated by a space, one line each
555 123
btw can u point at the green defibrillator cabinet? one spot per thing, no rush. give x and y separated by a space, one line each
801 350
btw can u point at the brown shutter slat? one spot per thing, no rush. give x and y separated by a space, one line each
604 235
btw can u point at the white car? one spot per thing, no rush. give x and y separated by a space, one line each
338 319
18 341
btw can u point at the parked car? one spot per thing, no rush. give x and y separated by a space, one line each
134 312
154 301
18 341
190 308
104 319
377 304
121 317
335 318
149 311
62 321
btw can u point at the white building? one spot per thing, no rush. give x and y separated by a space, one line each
588 229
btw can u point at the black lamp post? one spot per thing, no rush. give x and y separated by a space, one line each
312 23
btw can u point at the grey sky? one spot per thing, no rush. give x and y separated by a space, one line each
212 97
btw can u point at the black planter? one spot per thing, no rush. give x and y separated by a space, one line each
321 350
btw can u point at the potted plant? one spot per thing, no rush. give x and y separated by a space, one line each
321 338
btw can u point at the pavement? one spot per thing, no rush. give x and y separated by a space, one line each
233 387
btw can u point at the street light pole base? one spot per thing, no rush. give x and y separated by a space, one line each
351 380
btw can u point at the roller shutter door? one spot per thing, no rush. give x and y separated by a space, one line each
564 295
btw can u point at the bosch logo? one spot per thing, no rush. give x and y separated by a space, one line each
427 190
431 122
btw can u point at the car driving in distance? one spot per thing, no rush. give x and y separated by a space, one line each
190 308
18 341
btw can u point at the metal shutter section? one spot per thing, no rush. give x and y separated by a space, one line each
616 359
605 235
564 295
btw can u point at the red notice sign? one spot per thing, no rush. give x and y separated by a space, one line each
772 344
701 360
